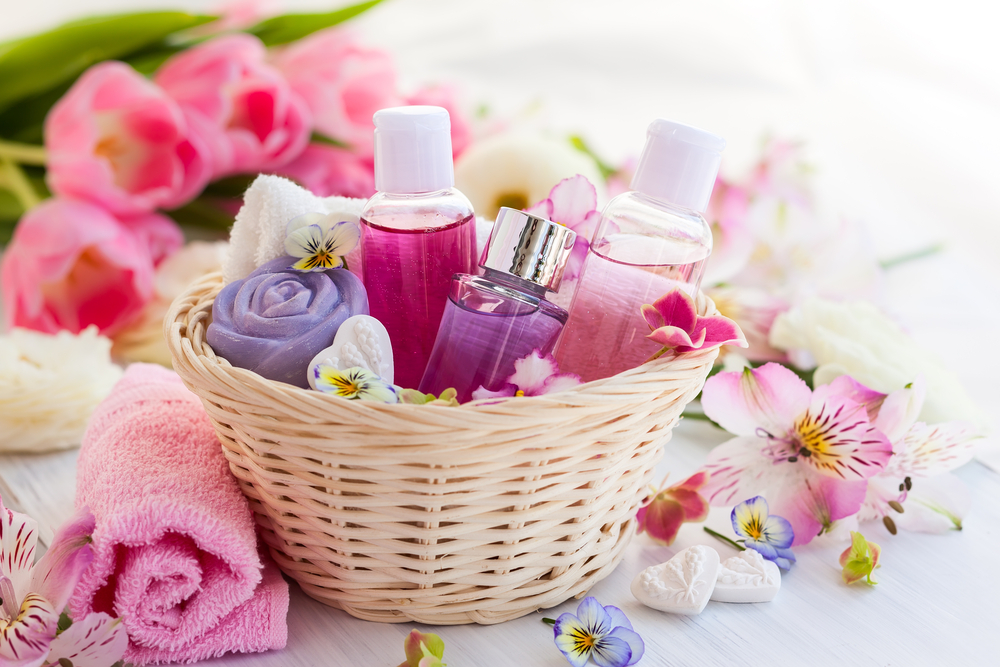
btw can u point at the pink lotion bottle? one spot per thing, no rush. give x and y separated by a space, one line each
417 232
649 241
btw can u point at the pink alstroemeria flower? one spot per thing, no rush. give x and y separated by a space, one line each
241 106
34 595
810 452
676 325
916 477
533 375
572 202
681 503
754 311
117 140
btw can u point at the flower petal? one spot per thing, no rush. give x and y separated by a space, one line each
634 641
573 199
98 640
343 237
719 330
594 618
770 398
573 639
662 519
837 440
531 372
618 617
778 532
668 336
932 450
677 309
739 469
18 536
558 382
763 548
935 505
694 482
848 387
25 640
483 392
611 651
812 505
900 409
748 518
694 505
60 569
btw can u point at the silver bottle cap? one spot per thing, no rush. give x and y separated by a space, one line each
529 247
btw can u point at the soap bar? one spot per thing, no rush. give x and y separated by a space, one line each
275 320
748 577
361 341
682 585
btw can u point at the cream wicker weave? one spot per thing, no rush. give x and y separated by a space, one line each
443 515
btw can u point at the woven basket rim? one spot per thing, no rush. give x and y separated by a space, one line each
207 287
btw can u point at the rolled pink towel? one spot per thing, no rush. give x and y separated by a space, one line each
175 551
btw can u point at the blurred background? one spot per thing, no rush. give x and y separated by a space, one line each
897 104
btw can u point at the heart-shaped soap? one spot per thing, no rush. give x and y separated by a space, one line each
748 577
682 585
360 341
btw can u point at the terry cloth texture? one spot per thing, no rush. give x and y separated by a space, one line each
175 551
269 204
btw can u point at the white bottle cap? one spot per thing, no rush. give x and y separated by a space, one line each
413 150
679 164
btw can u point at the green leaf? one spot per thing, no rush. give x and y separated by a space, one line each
318 138
38 63
64 622
290 27
201 213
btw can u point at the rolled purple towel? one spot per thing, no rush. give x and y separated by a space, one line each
274 321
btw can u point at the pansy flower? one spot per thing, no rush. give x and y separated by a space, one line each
767 534
673 506
603 634
811 453
675 324
354 384
859 560
319 241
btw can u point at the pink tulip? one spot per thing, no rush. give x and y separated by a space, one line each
328 171
342 83
115 139
241 106
446 96
72 264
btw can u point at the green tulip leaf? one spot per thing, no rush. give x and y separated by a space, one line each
290 27
35 64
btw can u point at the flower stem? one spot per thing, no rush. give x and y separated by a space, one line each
550 621
23 153
725 539
13 179
657 355
912 256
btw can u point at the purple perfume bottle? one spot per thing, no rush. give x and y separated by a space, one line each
417 232
491 321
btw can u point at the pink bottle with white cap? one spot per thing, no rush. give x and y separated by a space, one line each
418 231
649 241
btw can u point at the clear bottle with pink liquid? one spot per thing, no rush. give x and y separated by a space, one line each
649 241
417 232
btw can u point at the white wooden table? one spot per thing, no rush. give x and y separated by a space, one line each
937 602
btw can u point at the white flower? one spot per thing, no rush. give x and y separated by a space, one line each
518 171
49 386
856 339
143 339
258 235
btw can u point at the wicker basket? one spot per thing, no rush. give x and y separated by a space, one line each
443 515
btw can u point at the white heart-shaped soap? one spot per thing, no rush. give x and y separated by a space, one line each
748 577
360 341
682 585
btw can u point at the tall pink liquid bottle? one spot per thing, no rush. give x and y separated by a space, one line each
649 241
417 232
